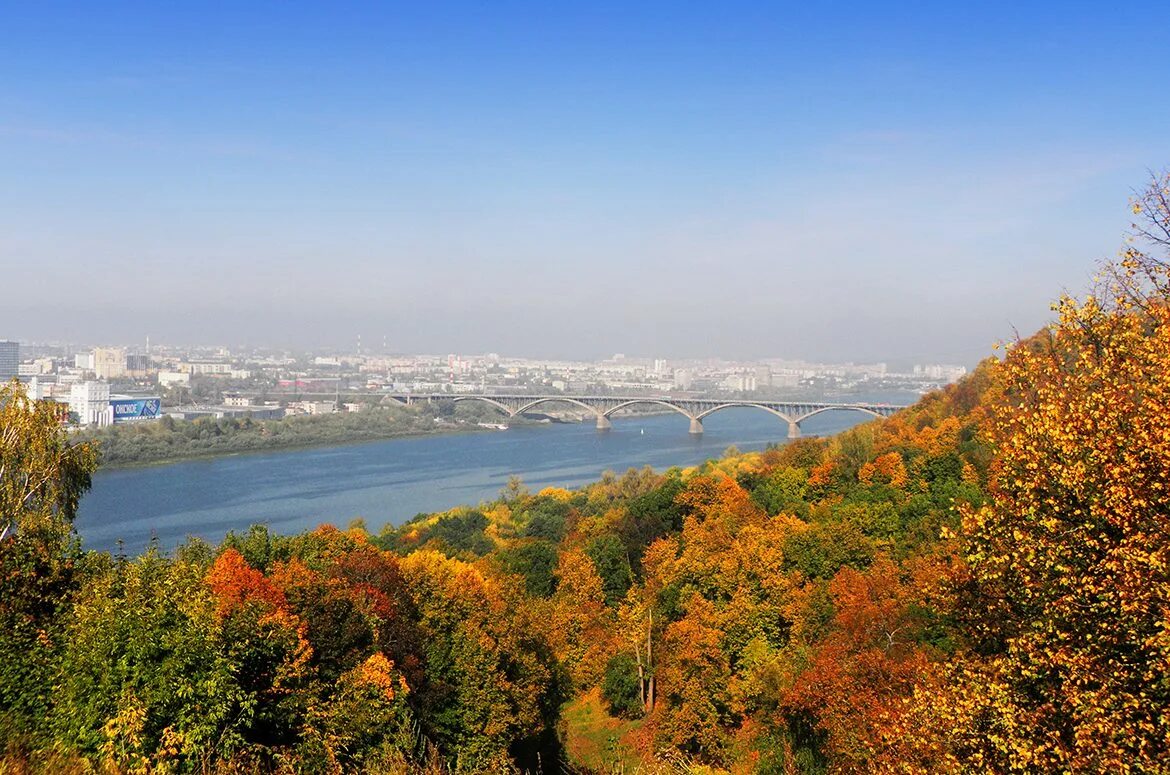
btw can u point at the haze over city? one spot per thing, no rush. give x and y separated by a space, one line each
666 181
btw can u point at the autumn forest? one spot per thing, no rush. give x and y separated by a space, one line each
980 583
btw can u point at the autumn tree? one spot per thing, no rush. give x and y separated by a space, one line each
851 686
694 673
1070 591
151 678
365 725
492 689
580 623
42 479
42 474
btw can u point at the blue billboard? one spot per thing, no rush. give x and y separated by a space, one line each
128 409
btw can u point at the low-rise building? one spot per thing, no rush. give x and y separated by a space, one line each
265 412
90 403
42 387
739 383
93 404
169 379
199 368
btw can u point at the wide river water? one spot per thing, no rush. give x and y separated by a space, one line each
391 481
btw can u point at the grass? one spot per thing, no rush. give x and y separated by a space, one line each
596 741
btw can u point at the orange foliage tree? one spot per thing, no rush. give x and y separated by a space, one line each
872 658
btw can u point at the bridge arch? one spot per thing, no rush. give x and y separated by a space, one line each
486 400
849 407
555 400
793 425
749 405
609 412
696 426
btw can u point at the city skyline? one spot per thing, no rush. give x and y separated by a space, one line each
375 352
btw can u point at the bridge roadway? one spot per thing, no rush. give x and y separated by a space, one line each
694 409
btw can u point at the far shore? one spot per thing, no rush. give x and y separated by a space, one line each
213 454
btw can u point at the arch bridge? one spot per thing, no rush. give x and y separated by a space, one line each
694 409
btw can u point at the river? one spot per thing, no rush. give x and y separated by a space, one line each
391 481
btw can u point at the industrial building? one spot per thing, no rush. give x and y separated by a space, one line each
264 412
93 404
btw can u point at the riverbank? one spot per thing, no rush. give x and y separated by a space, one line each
221 454
172 441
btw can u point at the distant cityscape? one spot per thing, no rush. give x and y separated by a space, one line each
116 384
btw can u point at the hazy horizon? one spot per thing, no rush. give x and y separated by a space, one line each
374 351
899 184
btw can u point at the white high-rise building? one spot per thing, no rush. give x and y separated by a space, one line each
90 401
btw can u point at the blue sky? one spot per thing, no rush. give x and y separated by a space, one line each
828 180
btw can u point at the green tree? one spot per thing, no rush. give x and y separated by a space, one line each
609 557
621 687
462 534
783 490
536 563
145 677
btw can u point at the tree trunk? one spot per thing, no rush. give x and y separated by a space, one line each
649 701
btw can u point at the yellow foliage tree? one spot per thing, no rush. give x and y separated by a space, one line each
1070 596
42 474
581 627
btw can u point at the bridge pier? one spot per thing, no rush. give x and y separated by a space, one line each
696 427
793 430
603 423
